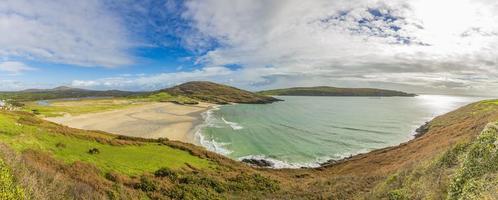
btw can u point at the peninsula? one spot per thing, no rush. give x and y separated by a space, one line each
334 91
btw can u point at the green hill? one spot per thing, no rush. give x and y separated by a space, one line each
61 93
217 93
333 91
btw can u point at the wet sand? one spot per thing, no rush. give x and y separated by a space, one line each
154 120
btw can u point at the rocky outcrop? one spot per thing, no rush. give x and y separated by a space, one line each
258 162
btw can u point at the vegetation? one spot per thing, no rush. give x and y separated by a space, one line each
217 93
60 93
166 97
9 190
463 172
76 107
333 91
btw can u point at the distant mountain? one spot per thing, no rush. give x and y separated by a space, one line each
57 89
217 93
334 91
62 92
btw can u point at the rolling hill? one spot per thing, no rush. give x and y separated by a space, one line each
333 91
62 92
217 93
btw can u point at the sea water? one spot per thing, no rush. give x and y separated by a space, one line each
306 131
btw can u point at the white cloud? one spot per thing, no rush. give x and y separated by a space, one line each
12 67
156 81
63 31
445 44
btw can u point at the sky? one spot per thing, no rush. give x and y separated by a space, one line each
421 46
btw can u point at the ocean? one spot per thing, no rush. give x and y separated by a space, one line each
307 131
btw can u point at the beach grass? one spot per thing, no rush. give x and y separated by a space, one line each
57 108
132 159
78 107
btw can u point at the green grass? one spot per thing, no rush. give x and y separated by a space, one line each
166 97
9 190
77 107
494 101
125 159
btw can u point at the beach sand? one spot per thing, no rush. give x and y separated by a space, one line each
154 120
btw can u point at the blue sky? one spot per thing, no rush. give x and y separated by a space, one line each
422 46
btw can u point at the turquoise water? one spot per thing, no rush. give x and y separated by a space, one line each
305 131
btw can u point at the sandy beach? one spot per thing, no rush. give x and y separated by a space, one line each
154 120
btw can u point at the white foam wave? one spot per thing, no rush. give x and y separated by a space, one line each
233 125
214 146
211 145
280 164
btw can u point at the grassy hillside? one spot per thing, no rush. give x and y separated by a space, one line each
60 93
455 159
469 170
98 165
332 91
217 93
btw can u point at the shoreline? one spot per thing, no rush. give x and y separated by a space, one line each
198 124
153 120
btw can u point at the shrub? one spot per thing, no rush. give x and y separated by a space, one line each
397 195
146 184
248 182
192 192
450 157
166 172
481 159
93 151
60 145
16 104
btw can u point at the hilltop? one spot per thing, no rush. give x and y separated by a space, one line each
333 91
217 93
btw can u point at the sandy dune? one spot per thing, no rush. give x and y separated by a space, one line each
173 121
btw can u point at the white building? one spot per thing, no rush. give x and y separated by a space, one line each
2 103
